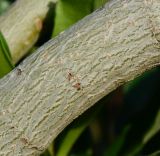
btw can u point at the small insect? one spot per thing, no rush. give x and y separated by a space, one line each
12 127
77 86
19 71
70 76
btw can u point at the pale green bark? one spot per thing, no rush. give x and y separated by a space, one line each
72 72
22 24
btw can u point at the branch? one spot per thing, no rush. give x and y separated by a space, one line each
22 24
72 72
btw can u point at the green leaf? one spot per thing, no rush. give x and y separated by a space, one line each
51 150
153 130
141 112
70 11
115 148
134 83
155 153
5 57
4 4
46 153
99 3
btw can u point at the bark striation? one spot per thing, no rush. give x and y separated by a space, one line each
70 73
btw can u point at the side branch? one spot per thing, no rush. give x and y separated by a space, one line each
72 72
22 23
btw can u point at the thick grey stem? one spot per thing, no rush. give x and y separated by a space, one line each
72 72
22 23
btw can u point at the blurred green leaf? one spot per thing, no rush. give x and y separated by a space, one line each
5 57
154 129
46 153
88 152
115 148
134 83
157 153
99 3
147 136
141 112
70 11
4 4
51 150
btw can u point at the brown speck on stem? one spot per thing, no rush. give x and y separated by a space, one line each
77 86
12 127
24 140
70 76
19 71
